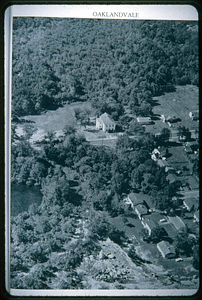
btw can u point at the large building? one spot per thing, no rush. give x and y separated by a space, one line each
105 123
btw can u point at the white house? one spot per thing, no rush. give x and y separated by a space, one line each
144 120
105 123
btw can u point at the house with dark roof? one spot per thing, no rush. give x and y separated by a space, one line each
105 123
166 249
141 210
134 199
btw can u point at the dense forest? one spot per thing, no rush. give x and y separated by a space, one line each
111 64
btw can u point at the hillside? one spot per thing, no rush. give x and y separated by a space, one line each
65 60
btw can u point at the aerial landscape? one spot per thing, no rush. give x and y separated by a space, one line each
104 154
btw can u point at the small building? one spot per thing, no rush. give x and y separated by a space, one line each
191 204
163 118
105 123
166 249
194 115
160 152
144 120
196 216
188 149
193 183
133 199
148 224
177 222
141 210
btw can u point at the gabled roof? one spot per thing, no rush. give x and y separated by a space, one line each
177 222
166 247
106 119
135 199
190 202
142 210
143 119
150 223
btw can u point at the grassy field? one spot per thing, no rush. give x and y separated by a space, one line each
178 104
56 120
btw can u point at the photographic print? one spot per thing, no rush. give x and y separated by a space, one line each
104 153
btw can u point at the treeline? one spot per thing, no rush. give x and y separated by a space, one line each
110 63
70 169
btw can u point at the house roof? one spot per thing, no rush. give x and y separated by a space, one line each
171 231
193 182
166 247
171 178
177 222
144 119
150 223
135 198
106 119
142 210
190 202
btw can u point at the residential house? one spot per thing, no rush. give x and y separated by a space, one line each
193 183
134 199
148 224
177 223
141 210
196 216
188 149
160 152
166 249
144 120
191 203
105 123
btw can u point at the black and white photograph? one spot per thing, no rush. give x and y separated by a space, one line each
104 153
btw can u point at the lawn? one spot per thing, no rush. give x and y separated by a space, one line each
55 120
178 104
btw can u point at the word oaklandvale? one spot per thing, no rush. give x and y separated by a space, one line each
116 14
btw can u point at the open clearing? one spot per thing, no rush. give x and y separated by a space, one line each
178 104
54 120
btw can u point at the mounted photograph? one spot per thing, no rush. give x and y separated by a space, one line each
102 150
